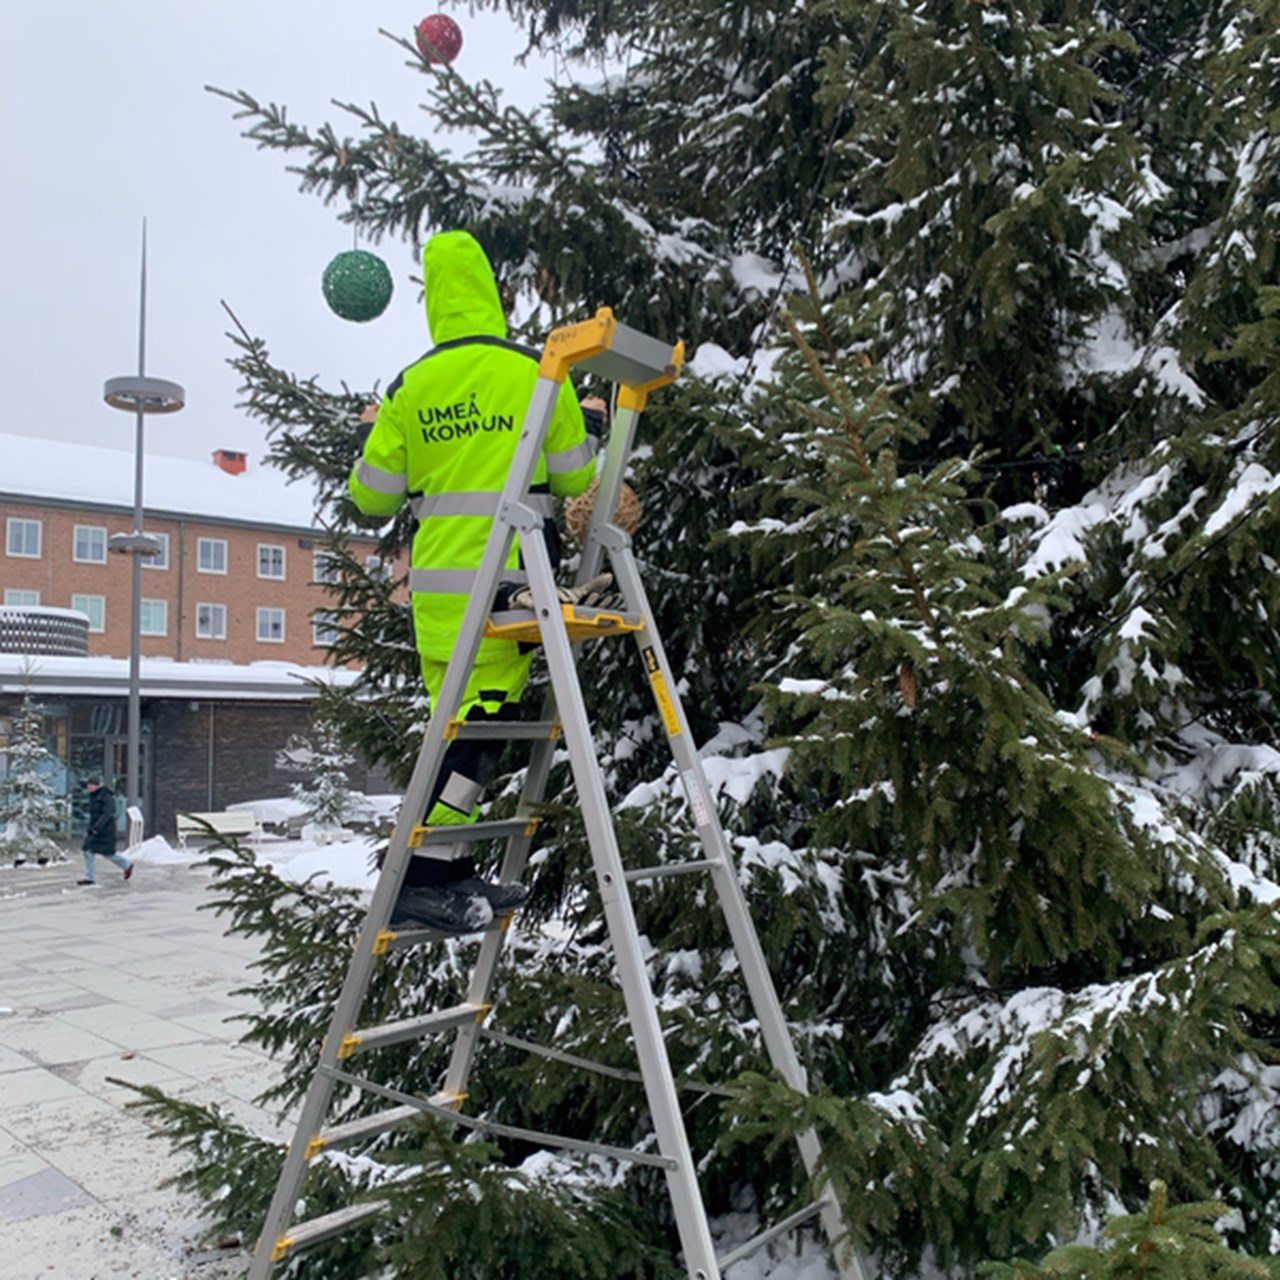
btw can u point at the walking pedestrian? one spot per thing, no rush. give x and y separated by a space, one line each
100 835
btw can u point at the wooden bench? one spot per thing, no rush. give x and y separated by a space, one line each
234 823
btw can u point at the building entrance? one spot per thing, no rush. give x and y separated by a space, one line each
99 745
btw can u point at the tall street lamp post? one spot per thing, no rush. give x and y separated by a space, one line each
142 395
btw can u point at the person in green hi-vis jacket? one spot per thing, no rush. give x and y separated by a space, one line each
443 441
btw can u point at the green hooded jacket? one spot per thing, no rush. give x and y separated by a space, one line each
445 436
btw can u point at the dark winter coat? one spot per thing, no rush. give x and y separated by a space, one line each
100 834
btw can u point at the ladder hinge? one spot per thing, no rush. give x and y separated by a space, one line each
348 1046
570 343
281 1250
383 941
451 730
315 1147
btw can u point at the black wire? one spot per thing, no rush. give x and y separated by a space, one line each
1152 47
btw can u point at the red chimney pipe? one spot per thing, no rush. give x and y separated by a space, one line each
232 462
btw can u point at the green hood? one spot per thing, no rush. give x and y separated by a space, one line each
461 293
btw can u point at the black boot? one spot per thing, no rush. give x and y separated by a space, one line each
501 897
445 909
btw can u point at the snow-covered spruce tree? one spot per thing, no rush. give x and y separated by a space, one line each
1109 1009
327 797
30 809
655 230
1029 920
1006 205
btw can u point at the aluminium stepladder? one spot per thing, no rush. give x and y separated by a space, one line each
638 364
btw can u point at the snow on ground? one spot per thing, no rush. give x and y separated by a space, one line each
280 810
343 861
340 858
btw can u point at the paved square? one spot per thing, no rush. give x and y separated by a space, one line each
126 982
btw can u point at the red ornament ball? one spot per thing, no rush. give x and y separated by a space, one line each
439 38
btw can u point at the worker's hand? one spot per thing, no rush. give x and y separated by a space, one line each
597 593
368 417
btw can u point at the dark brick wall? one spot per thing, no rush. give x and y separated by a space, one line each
210 755
206 755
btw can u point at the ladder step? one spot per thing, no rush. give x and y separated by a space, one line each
582 624
403 937
302 1234
505 730
343 1135
469 833
671 869
411 1028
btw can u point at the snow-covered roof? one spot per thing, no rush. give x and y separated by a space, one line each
58 471
163 678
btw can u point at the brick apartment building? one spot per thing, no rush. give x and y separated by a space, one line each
232 627
241 571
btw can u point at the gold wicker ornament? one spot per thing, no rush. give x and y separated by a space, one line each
577 511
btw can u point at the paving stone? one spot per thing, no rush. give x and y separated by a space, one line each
39 1194
122 982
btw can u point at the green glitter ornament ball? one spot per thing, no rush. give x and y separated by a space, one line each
357 285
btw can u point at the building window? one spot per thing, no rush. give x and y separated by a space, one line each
95 607
90 544
270 560
212 555
154 618
325 567
211 621
21 599
24 538
271 626
324 628
161 559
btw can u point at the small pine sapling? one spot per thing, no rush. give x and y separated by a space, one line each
30 809
327 798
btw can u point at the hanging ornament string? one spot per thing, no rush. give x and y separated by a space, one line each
357 284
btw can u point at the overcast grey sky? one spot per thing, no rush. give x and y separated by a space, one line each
106 120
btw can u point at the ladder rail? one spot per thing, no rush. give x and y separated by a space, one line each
425 772
724 876
664 1107
617 452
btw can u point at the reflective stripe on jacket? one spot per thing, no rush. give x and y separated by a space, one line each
446 433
